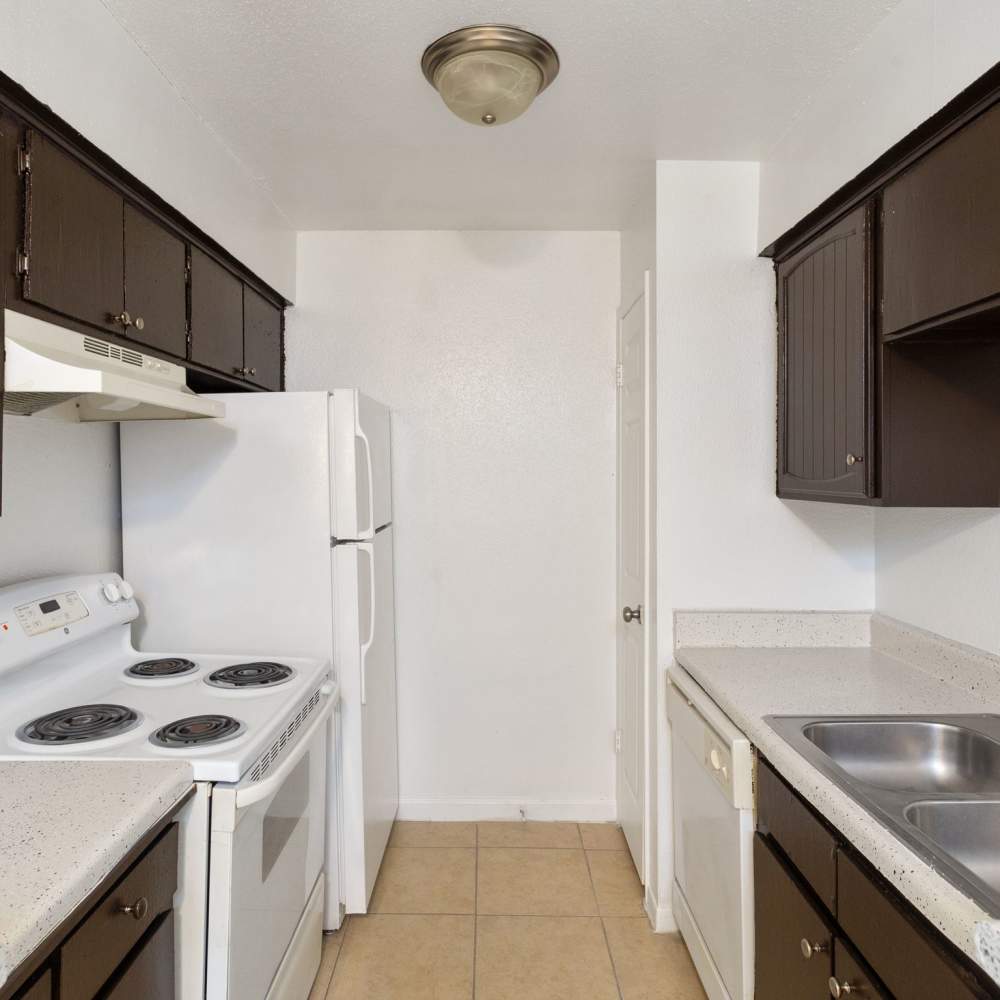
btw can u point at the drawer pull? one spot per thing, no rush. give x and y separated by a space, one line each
809 948
138 909
841 989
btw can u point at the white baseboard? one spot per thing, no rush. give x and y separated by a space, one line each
443 810
661 915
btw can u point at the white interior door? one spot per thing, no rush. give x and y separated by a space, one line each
633 572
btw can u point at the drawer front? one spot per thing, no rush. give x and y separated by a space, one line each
110 932
854 977
910 962
149 973
41 989
784 918
807 842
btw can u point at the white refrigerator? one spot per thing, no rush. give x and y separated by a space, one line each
271 528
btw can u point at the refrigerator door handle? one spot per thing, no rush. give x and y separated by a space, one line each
369 550
360 434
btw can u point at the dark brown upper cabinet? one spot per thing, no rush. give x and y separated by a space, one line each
824 389
72 254
155 284
216 315
261 340
940 252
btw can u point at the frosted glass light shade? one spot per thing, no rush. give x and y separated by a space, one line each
489 87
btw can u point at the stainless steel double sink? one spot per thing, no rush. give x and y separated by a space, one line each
934 780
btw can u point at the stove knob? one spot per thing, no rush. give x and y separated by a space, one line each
112 593
127 590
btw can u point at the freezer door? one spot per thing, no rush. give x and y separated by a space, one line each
365 660
362 465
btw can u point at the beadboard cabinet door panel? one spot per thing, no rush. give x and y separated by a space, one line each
73 229
824 390
155 284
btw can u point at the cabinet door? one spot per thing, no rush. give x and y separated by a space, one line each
261 340
940 242
824 386
73 238
216 315
792 941
149 971
853 977
155 284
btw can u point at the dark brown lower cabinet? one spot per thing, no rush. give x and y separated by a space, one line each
794 941
864 940
150 974
41 989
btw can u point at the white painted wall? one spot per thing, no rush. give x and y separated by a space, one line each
61 499
724 539
922 55
75 57
496 352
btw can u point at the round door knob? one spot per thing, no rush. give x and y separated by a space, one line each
632 614
809 948
139 323
840 989
138 909
854 459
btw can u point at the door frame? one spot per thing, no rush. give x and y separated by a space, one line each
648 591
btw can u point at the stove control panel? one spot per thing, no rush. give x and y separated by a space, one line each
57 611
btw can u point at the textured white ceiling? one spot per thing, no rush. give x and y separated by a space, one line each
324 101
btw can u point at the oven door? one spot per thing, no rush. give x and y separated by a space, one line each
266 855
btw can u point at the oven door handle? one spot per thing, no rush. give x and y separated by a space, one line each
265 789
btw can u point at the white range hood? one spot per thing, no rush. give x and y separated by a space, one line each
57 372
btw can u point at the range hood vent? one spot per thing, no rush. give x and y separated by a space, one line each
70 376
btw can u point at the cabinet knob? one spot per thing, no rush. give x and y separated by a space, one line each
123 318
841 989
810 948
241 371
138 909
252 371
854 459
139 323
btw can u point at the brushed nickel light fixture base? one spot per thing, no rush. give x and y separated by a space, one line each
489 74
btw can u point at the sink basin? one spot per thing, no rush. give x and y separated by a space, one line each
969 832
906 755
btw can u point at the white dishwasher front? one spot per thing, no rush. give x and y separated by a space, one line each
713 839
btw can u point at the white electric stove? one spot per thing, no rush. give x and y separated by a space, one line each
254 729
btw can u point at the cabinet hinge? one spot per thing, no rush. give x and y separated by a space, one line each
23 160
618 741
619 375
21 265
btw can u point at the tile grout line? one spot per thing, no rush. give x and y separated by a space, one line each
336 961
475 916
600 917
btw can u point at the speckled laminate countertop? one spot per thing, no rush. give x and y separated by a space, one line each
749 683
64 825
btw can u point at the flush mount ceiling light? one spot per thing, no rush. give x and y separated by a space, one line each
489 74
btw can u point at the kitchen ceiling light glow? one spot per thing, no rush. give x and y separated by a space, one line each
489 74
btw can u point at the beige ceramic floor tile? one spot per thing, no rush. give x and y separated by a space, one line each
603 837
543 958
406 958
616 884
412 834
651 966
426 880
530 834
529 881
331 949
